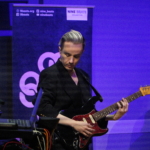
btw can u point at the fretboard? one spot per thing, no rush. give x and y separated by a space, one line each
104 112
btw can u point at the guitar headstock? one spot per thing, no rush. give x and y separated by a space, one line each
145 90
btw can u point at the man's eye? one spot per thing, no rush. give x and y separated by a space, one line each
77 56
67 54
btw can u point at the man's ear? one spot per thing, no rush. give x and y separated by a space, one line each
59 49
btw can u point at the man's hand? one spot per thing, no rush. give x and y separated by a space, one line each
80 126
123 108
83 127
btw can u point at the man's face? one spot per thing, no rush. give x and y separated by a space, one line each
70 55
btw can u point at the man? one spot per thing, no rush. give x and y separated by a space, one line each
64 87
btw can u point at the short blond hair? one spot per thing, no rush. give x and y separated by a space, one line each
72 36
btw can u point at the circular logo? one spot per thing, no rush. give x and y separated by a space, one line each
29 89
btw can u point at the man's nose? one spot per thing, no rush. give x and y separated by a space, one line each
71 60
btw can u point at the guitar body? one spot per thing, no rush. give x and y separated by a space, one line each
76 141
83 141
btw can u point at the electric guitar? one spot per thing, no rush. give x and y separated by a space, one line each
76 141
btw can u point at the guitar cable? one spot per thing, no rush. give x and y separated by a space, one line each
61 139
15 142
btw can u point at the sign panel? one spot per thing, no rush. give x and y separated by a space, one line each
36 34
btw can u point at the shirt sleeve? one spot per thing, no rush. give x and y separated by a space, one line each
48 84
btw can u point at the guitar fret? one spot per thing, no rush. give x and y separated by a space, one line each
134 96
138 94
100 114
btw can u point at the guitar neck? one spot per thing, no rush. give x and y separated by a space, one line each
104 112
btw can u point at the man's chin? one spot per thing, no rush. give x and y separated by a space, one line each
69 68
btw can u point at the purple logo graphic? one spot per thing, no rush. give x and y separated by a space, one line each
29 89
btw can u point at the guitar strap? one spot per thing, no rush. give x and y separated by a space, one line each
98 96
